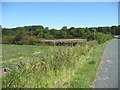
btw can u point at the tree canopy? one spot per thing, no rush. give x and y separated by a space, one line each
41 32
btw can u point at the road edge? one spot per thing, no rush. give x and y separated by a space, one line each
93 84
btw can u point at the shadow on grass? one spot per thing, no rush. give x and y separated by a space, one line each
92 62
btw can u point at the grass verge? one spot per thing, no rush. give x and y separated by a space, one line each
59 67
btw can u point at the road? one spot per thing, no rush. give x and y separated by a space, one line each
107 76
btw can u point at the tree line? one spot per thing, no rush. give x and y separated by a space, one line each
33 34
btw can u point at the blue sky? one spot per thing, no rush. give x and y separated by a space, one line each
56 15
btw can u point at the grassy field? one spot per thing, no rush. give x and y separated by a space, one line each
52 66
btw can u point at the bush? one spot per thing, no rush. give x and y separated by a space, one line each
8 39
101 37
29 40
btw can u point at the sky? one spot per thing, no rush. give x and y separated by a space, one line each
59 14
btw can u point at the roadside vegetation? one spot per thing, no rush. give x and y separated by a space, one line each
52 66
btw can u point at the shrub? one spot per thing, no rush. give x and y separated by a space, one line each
29 40
8 39
101 37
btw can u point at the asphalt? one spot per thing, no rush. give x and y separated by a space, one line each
107 76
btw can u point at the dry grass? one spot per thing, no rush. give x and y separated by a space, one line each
65 40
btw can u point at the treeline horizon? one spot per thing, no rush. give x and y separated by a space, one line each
36 32
58 28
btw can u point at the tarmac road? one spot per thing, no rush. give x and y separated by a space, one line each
108 71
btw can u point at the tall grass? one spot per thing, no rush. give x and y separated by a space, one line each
60 66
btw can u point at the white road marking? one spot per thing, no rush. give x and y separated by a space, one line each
108 61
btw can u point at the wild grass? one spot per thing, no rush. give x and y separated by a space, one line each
14 53
53 66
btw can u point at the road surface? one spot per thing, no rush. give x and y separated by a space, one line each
107 76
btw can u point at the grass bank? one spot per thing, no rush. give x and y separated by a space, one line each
54 66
